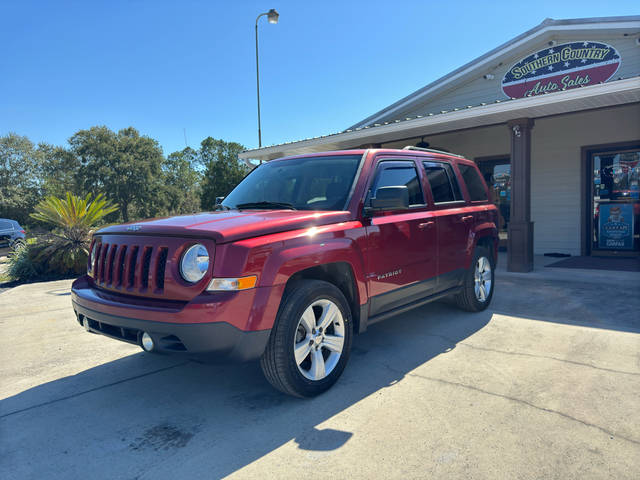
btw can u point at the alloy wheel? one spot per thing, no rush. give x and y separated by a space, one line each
482 279
319 339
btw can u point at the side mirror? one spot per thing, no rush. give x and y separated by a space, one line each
219 200
390 198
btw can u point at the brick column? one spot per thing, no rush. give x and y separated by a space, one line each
520 244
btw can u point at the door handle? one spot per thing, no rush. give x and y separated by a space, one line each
466 218
425 225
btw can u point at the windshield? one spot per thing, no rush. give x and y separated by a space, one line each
314 183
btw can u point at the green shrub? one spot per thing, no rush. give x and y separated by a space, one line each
22 265
46 259
60 257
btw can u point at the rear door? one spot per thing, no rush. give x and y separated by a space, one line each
453 222
484 213
402 244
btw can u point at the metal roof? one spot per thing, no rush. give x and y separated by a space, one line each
617 92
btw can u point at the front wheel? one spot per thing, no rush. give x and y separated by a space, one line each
311 340
477 289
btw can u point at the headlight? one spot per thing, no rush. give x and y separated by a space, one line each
194 263
92 257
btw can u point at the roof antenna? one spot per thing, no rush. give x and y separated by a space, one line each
184 130
422 143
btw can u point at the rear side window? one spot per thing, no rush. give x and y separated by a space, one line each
395 174
443 182
475 185
5 225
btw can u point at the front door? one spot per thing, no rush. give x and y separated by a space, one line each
402 264
497 174
615 203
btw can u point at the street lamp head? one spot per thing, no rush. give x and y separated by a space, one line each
272 16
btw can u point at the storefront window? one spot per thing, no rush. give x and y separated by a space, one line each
616 202
497 174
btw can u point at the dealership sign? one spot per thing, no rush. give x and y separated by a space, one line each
561 67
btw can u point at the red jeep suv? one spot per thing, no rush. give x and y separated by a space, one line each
305 252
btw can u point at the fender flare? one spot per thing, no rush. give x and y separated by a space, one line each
483 230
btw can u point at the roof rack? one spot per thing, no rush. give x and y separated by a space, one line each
432 150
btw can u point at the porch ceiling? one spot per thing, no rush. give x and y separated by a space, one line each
618 92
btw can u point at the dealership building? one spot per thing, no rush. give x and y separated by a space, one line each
552 118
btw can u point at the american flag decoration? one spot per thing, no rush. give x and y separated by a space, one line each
561 67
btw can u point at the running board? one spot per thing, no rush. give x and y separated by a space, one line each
412 305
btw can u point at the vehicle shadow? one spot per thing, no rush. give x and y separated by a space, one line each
211 420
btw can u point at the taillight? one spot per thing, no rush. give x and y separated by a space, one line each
22 231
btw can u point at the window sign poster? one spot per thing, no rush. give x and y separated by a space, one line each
616 226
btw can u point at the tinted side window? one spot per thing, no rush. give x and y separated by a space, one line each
475 186
443 182
394 174
5 225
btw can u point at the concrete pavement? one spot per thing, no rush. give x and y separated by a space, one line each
544 384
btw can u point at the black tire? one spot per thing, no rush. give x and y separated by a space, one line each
278 360
467 299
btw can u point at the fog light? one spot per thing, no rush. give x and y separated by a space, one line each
147 342
85 324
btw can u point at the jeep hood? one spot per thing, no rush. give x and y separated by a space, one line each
229 226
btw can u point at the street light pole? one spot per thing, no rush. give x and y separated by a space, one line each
272 16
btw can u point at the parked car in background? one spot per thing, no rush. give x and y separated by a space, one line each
12 236
306 252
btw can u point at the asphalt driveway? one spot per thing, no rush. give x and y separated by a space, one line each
545 384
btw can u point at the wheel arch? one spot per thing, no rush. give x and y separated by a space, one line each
340 274
486 235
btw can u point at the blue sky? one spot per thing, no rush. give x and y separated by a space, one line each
167 66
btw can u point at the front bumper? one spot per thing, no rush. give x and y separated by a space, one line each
202 341
187 330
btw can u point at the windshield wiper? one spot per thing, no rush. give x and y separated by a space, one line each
266 205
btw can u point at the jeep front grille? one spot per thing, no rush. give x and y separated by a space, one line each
145 266
130 267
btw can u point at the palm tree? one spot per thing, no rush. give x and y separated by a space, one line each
67 248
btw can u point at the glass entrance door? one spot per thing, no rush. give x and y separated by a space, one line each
497 174
615 202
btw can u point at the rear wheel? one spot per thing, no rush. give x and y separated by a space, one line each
311 340
477 289
18 244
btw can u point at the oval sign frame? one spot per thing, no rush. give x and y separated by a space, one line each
561 67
